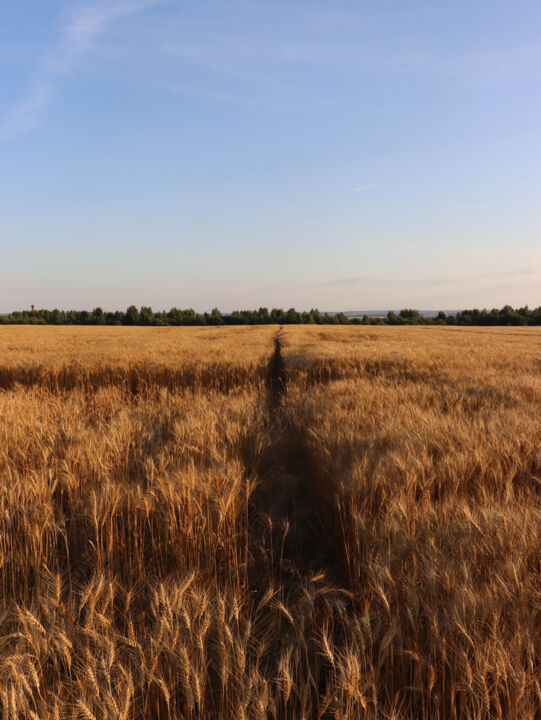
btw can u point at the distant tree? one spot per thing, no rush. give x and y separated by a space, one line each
508 316
146 316
215 317
410 316
239 318
393 318
57 317
441 318
292 316
131 316
98 316
277 315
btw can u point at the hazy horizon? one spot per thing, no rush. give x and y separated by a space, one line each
278 154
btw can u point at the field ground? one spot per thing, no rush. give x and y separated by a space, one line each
254 522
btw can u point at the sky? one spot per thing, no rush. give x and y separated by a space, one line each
311 153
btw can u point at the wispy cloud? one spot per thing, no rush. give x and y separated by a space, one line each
84 21
474 206
519 273
487 279
363 187
27 113
348 281
511 278
81 25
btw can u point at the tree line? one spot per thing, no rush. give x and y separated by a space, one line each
175 316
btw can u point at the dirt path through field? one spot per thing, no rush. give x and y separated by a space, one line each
287 530
277 376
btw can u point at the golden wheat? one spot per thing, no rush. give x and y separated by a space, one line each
181 539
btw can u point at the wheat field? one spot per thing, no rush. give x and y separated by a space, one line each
255 522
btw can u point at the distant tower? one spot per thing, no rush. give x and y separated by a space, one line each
32 306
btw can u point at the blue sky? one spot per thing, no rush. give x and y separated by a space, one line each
336 154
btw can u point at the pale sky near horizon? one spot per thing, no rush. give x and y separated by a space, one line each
307 153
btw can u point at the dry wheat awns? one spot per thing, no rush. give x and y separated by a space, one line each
175 543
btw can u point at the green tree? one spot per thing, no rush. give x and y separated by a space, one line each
98 316
131 316
441 318
146 316
292 316
410 316
215 317
393 318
